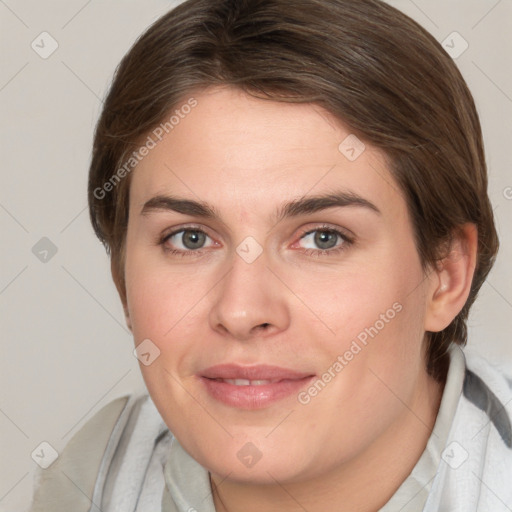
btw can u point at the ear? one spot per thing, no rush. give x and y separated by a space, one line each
118 278
450 281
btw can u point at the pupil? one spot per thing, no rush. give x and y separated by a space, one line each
325 239
193 239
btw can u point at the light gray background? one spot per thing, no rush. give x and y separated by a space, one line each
65 349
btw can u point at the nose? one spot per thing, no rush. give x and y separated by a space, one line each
249 301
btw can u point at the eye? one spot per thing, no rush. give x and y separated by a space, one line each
324 240
186 240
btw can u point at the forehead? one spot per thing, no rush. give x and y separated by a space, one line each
236 151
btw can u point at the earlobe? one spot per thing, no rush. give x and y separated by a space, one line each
451 280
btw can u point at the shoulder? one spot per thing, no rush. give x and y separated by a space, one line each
488 387
486 427
484 373
476 464
68 484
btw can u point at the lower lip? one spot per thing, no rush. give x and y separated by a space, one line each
253 397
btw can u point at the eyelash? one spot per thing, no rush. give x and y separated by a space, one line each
178 252
346 242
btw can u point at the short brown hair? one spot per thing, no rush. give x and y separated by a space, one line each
365 62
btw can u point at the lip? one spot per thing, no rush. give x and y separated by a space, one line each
284 383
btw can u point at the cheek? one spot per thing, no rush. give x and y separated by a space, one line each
161 307
156 298
358 300
375 314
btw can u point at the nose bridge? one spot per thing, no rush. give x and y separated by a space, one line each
249 298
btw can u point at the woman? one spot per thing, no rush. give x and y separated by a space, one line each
294 199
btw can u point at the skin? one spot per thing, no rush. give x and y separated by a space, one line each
354 443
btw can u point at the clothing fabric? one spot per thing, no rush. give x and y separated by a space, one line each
465 467
412 495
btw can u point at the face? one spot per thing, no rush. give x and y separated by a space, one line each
271 262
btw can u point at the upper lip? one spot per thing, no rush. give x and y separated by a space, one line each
256 372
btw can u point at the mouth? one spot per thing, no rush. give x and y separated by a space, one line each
252 387
245 382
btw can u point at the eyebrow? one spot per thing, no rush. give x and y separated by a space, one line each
302 206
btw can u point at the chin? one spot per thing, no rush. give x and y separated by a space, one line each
262 473
246 463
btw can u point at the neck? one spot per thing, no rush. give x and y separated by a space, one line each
363 484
